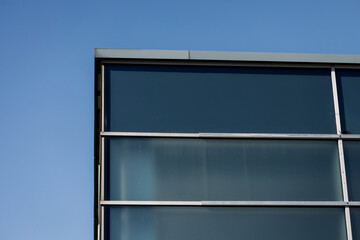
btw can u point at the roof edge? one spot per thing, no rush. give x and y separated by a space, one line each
226 56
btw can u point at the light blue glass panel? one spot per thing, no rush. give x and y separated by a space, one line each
355 222
225 223
188 169
349 99
203 99
352 164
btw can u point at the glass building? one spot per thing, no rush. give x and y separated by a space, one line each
224 145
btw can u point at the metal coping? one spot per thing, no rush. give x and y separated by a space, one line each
226 56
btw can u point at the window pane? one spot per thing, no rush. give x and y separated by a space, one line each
222 169
349 99
352 163
204 99
225 223
355 222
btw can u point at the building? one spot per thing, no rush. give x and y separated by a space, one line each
225 145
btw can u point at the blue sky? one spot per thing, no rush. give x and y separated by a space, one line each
46 73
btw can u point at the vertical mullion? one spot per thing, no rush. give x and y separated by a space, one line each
102 97
336 101
348 223
102 152
102 224
341 153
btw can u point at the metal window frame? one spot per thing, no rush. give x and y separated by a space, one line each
341 154
104 57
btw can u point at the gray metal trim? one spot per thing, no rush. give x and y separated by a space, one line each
102 230
141 54
227 56
98 232
269 135
99 192
274 57
233 203
151 203
102 179
276 203
170 62
350 136
102 96
348 223
342 170
336 101
341 154
221 135
148 134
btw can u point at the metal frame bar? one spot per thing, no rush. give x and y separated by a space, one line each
102 232
222 135
102 97
209 63
348 223
102 141
151 203
341 154
212 63
342 170
233 203
336 101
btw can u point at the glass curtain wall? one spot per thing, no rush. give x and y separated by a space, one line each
194 152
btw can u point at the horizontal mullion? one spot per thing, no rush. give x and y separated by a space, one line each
148 134
152 203
269 135
223 135
233 203
350 136
276 203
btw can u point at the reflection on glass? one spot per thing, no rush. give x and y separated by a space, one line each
352 163
349 98
204 99
226 223
222 169
355 222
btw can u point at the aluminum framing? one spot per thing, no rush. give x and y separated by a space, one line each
341 153
233 203
231 135
257 60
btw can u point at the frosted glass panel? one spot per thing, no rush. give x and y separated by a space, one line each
222 169
225 223
352 164
204 99
349 99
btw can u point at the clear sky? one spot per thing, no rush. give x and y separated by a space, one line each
46 73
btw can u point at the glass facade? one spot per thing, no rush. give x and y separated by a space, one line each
352 160
213 223
349 87
203 99
226 150
190 169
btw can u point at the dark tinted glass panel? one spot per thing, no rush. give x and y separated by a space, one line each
226 223
203 99
352 163
349 99
355 222
222 169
